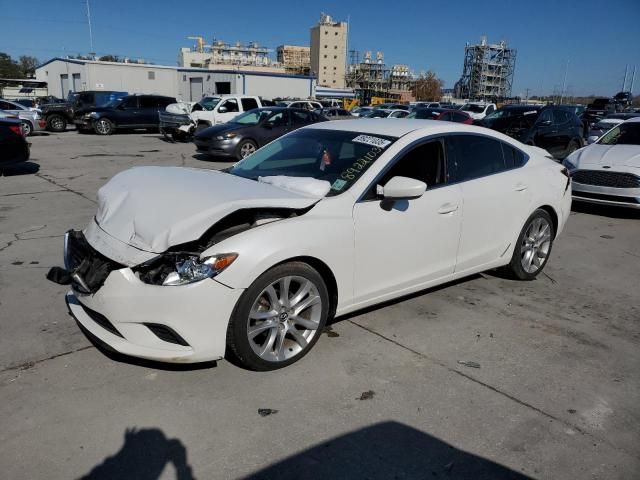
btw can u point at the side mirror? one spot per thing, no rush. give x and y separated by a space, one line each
592 139
222 110
403 188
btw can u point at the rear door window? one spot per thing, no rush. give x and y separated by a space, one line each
560 117
513 158
474 156
231 105
299 117
248 104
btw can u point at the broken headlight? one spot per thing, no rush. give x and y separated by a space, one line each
182 269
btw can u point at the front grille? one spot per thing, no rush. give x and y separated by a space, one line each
602 178
87 267
101 320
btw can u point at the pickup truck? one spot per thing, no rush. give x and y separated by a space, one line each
216 109
58 115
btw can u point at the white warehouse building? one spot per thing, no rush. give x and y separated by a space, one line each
65 75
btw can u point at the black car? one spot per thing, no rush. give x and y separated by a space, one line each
426 113
132 111
58 113
556 129
249 131
13 146
600 108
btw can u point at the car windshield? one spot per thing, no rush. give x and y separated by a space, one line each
209 103
253 117
470 107
337 157
623 134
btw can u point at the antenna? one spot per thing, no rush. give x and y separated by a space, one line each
90 32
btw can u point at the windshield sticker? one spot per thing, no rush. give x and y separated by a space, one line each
374 141
338 184
361 163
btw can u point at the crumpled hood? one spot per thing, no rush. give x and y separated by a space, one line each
610 155
154 208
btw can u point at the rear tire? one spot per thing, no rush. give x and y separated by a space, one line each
56 123
27 128
533 247
279 318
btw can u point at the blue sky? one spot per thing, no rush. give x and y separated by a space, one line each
597 38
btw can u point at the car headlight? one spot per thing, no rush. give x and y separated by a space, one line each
90 115
192 269
570 163
226 136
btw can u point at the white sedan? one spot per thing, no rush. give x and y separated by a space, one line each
189 265
608 171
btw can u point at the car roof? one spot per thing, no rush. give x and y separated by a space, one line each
633 120
402 126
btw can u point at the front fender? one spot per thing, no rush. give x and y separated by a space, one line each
329 239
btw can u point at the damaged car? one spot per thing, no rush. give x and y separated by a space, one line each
191 265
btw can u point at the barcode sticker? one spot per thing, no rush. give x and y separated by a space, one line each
373 141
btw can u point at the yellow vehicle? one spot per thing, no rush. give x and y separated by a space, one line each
377 100
350 103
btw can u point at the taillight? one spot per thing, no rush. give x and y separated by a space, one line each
17 129
565 172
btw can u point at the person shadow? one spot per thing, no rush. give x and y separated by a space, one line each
144 456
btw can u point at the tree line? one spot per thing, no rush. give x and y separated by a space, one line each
23 67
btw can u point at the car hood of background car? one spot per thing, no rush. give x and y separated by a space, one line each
154 208
609 155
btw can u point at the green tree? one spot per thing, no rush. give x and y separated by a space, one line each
28 65
9 68
428 87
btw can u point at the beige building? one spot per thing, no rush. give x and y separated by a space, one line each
294 58
329 52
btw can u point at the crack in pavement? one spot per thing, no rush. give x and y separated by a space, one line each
39 175
30 364
495 390
30 193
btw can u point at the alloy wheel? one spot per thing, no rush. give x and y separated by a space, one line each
247 149
536 244
57 123
103 127
26 128
284 318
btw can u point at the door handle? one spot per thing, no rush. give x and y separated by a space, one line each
521 187
447 208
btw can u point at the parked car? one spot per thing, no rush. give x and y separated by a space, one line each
361 111
32 120
132 111
596 111
333 113
391 106
607 123
252 261
455 116
426 113
212 110
386 113
478 110
425 105
59 114
608 171
13 146
304 104
242 136
556 129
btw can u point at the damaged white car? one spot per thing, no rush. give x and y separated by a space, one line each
189 265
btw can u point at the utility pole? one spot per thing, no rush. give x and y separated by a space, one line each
633 77
564 82
624 82
90 32
527 98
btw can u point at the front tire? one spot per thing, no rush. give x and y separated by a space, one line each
103 126
245 148
278 318
533 247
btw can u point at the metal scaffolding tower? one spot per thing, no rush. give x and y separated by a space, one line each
488 71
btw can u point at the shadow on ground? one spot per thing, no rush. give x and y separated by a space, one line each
144 456
605 210
23 168
387 450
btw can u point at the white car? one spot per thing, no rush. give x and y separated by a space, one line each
216 109
608 171
303 104
187 265
478 111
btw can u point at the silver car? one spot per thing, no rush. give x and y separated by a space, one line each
32 120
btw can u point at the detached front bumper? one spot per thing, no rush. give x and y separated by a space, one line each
177 324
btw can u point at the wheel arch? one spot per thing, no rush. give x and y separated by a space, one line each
325 272
553 214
